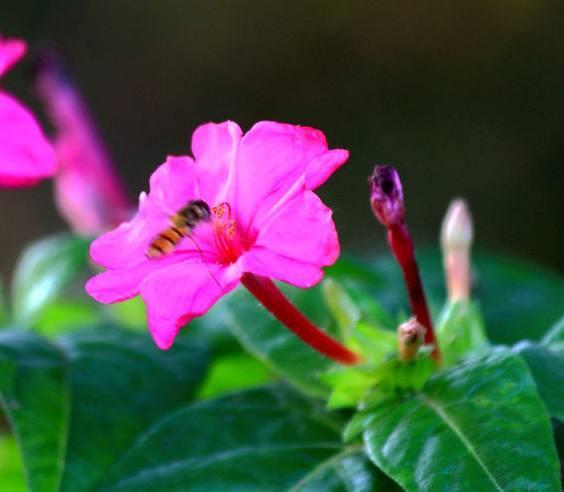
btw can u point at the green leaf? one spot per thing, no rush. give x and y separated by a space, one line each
268 439
460 330
341 305
118 384
556 334
518 300
480 425
275 345
43 271
11 470
60 316
349 471
349 386
233 372
547 367
35 397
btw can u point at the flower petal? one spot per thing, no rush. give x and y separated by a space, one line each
176 294
25 154
126 245
174 184
272 162
266 263
323 166
295 243
11 50
215 147
119 285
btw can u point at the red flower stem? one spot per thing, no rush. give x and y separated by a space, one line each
284 311
401 245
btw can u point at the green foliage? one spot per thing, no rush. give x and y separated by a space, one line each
43 271
480 425
102 409
34 393
276 346
460 330
11 470
270 439
61 316
555 335
77 405
518 300
546 361
233 372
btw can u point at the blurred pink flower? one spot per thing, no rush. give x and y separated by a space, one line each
265 222
88 193
25 154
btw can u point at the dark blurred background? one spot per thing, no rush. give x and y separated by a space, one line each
465 98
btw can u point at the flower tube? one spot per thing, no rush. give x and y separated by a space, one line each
88 192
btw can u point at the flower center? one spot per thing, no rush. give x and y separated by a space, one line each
229 240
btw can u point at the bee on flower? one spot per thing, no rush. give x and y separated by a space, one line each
262 222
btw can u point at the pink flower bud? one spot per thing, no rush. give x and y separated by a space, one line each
456 240
386 195
456 230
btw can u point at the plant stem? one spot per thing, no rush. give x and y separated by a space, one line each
386 200
284 311
401 245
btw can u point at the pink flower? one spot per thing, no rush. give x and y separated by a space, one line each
265 222
88 193
25 154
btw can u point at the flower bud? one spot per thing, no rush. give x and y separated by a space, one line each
386 195
456 231
456 239
410 337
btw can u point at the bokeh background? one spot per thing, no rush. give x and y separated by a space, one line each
465 98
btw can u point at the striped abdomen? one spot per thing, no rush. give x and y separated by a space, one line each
183 222
166 241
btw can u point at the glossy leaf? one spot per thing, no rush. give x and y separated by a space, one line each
517 300
480 424
349 471
275 345
43 271
547 367
556 334
268 439
111 384
35 397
